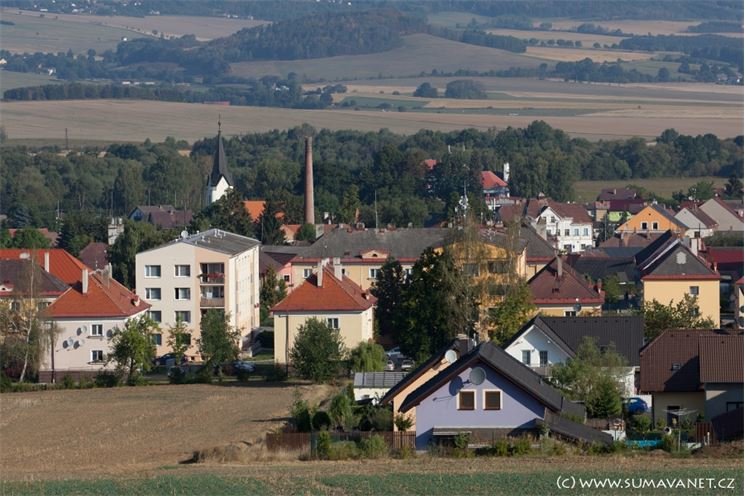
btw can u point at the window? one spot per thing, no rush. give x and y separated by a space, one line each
15 306
183 293
655 226
182 270
286 277
492 400
373 273
183 316
693 290
157 339
152 271
97 330
543 357
467 400
408 271
333 322
570 313
184 339
526 357
586 231
566 232
644 226
498 267
568 248
675 366
733 405
155 315
553 220
576 231
471 269
152 293
307 273
96 356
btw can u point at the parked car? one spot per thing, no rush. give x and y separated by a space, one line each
243 366
168 360
636 405
394 353
407 364
390 366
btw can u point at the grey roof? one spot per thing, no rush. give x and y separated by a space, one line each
219 165
658 244
667 214
626 333
676 260
507 366
573 430
377 379
401 244
537 247
217 240
17 274
601 267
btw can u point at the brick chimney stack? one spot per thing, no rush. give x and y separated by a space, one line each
310 215
84 281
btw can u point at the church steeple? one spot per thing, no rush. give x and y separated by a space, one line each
219 181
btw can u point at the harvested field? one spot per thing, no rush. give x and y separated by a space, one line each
587 39
76 433
33 33
664 186
575 54
419 53
126 120
204 28
631 26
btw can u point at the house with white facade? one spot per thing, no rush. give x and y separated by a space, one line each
727 218
547 341
568 226
212 270
697 223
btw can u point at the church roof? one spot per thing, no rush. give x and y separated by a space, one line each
220 164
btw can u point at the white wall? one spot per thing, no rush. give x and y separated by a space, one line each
534 340
579 241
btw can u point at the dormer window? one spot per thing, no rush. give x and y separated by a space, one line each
675 366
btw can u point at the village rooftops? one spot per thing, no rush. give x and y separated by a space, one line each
558 283
15 280
326 294
56 261
100 296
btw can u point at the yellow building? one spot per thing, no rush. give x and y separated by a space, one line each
331 297
674 271
653 218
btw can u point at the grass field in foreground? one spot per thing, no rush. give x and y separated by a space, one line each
395 484
663 186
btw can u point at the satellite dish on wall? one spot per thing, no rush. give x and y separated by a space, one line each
184 234
477 376
451 356
70 341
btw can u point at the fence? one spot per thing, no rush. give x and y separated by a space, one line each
292 441
705 433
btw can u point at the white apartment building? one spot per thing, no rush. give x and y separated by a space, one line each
184 279
568 225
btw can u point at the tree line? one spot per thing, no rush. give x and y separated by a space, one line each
707 46
357 174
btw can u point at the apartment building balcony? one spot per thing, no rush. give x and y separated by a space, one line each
211 302
212 278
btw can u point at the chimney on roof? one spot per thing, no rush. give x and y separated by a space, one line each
338 270
559 267
319 274
310 215
46 261
84 281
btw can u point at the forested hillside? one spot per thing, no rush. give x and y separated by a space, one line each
352 169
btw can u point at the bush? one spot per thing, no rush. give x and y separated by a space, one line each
321 421
374 447
5 383
276 373
553 447
521 446
343 450
405 453
403 422
107 379
86 383
501 447
137 380
323 449
177 376
382 420
203 376
461 441
668 443
243 376
68 382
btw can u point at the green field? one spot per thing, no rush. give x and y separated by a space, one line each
10 80
34 32
394 484
454 19
662 186
419 53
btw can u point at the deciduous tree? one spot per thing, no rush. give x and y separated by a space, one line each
684 314
132 347
317 351
219 341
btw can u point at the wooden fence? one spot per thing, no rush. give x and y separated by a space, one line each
292 441
705 433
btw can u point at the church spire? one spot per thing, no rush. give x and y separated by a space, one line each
220 163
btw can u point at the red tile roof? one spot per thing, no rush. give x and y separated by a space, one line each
721 358
430 163
550 289
105 298
333 296
254 208
489 180
61 264
724 255
671 361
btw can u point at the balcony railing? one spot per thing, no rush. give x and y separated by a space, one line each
212 278
212 302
